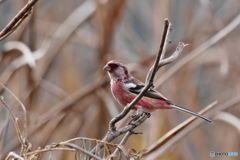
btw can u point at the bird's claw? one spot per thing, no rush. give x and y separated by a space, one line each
134 118
133 132
148 114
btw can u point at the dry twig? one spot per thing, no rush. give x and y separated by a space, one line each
149 82
17 20
24 143
23 108
70 145
113 133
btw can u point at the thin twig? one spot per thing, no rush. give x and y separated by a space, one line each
70 145
149 82
159 62
47 150
124 140
20 137
217 37
174 56
88 139
111 135
17 20
23 107
59 107
167 40
154 68
4 131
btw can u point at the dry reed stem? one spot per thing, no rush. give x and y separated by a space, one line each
57 147
188 58
229 118
175 130
192 126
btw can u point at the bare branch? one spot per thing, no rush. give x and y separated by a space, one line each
124 140
23 107
20 137
18 19
47 150
174 56
167 40
149 82
113 134
3 135
154 68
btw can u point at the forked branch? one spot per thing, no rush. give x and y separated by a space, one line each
159 62
149 82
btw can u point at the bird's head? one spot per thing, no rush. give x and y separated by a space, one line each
117 70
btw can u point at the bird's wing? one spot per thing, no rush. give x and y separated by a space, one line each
151 93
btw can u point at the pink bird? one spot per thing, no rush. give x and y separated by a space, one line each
125 88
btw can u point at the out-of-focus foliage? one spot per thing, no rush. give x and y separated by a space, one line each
67 94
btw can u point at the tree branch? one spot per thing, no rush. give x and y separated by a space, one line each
17 20
149 82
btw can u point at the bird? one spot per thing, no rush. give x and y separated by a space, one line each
125 88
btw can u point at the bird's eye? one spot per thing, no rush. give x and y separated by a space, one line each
116 65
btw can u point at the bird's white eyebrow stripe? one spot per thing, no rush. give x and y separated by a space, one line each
130 85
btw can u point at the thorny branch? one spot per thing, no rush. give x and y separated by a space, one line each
17 20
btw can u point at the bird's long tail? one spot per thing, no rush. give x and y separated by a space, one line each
190 112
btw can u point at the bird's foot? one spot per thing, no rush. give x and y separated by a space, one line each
137 116
134 118
134 132
148 114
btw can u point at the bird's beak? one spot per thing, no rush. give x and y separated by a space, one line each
107 68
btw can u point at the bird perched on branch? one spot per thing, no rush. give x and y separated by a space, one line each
125 88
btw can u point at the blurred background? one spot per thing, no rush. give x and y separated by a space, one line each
53 63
